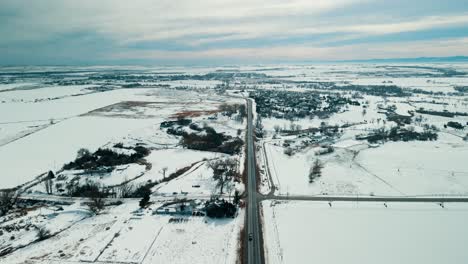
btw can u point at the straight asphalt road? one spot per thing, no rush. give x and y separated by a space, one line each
254 236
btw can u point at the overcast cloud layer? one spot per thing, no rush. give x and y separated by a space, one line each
228 32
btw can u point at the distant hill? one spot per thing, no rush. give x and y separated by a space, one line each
415 60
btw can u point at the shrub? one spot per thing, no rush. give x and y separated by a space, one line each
97 202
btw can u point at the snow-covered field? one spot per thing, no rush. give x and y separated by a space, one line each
340 176
120 236
63 126
197 241
11 86
12 131
359 168
421 168
396 168
43 126
50 148
407 233
44 93
45 118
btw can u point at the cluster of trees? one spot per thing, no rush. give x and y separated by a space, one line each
179 122
86 160
400 134
7 200
131 190
461 89
401 120
382 90
292 128
211 140
292 105
440 113
220 209
92 190
285 104
454 124
315 171
156 77
205 138
88 189
377 90
231 109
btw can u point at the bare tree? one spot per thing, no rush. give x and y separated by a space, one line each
48 182
224 171
277 129
164 170
292 126
126 190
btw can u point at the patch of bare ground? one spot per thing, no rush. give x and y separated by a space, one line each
117 109
194 113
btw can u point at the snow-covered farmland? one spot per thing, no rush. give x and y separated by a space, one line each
421 168
361 167
340 175
148 121
44 93
48 134
121 236
302 232
175 159
13 131
396 168
50 148
16 85
198 241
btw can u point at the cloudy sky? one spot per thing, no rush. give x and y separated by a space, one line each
228 31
